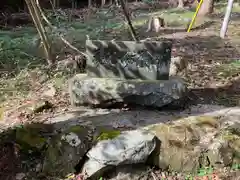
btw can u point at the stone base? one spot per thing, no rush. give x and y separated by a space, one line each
100 92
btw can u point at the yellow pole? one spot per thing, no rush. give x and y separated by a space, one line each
195 15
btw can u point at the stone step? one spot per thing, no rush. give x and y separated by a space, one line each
85 90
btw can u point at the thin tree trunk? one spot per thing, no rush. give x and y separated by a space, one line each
89 3
116 2
131 28
226 19
31 4
180 4
207 7
103 2
55 4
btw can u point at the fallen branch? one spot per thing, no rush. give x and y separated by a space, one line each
131 28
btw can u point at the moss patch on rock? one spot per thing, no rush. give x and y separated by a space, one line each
196 142
108 134
32 136
66 149
207 121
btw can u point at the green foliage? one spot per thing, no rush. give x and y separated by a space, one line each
205 171
15 86
16 53
108 135
226 70
236 167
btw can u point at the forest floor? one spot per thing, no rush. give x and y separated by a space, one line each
214 73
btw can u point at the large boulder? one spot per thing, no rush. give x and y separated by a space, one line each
66 149
146 60
196 142
107 91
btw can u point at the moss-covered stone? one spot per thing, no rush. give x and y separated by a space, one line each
234 144
32 136
207 121
66 149
219 153
195 142
177 147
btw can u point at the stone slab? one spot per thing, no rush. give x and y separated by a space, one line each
145 60
130 147
100 92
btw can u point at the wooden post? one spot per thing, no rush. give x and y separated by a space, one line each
226 19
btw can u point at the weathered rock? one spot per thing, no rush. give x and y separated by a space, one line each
210 138
66 149
107 91
128 59
178 67
130 147
195 142
31 136
20 176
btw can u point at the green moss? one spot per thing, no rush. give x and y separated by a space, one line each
110 134
160 128
234 143
227 135
209 121
176 143
75 129
52 154
29 139
234 131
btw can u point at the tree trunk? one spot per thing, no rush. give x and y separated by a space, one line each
103 3
36 17
180 4
116 3
206 8
55 4
74 4
226 19
89 3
